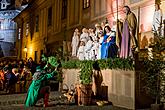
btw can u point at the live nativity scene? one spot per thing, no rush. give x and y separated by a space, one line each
82 54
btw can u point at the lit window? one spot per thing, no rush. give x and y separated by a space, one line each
86 4
19 33
27 29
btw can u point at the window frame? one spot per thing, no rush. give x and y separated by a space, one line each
50 15
19 33
27 29
64 9
37 23
35 56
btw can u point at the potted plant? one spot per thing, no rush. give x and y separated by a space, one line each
159 67
85 87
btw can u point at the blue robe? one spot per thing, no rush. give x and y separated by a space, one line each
112 48
109 49
104 47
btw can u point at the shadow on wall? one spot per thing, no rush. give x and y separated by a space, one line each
100 90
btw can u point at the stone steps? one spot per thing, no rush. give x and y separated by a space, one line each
56 102
11 99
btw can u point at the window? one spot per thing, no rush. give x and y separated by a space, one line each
4 6
19 33
27 29
35 56
41 52
86 4
64 9
37 23
50 16
0 25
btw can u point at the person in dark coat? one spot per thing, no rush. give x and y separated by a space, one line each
10 78
31 65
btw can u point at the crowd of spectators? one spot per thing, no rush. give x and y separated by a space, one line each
16 75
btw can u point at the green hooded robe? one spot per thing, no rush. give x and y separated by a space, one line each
36 85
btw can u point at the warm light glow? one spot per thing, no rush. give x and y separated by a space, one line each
146 18
146 14
30 50
25 49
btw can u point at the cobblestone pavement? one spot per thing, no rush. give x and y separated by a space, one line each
62 107
56 102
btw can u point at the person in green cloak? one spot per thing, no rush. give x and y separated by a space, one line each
38 89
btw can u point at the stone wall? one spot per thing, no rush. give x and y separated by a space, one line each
121 85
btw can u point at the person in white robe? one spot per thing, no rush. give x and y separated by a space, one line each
101 37
84 36
157 20
88 48
75 42
92 34
95 50
97 29
81 51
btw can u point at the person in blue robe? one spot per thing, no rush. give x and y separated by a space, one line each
112 48
109 48
104 47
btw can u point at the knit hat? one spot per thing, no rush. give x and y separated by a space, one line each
38 68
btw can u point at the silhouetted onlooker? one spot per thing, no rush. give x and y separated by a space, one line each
31 65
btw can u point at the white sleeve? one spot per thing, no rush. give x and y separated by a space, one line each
78 52
77 40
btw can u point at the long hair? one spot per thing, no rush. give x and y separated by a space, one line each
158 6
108 27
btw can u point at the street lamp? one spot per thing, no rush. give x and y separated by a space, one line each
25 49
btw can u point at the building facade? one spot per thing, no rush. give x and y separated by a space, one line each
48 25
7 29
7 33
